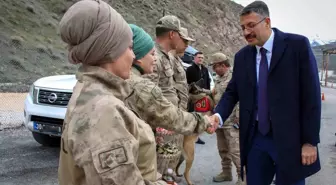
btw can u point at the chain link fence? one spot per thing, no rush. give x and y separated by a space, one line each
24 61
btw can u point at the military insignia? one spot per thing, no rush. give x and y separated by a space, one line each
156 92
113 158
203 105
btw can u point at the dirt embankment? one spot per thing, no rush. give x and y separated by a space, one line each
31 48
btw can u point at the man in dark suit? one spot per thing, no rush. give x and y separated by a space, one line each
196 72
275 79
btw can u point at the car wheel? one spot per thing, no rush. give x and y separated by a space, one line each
47 140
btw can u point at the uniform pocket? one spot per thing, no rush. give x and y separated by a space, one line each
180 69
168 72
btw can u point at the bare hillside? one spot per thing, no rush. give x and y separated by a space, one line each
30 46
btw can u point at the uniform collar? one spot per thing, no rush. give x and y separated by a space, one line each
225 75
136 69
96 75
161 50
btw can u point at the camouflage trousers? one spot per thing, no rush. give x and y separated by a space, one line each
228 148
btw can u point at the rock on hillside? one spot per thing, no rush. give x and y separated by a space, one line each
30 46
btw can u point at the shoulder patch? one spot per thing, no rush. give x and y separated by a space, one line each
156 92
113 158
112 155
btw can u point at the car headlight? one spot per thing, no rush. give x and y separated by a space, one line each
32 92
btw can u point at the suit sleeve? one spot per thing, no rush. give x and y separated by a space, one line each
310 96
230 97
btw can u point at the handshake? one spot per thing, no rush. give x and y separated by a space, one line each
214 121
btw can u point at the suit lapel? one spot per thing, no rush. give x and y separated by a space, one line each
250 59
279 46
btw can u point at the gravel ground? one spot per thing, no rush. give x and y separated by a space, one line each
11 110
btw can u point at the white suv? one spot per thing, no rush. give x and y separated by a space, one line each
45 107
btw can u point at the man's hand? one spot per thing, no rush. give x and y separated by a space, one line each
214 120
308 154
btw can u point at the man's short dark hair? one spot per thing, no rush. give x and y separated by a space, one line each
198 53
258 7
161 31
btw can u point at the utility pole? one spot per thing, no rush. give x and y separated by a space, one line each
326 77
323 64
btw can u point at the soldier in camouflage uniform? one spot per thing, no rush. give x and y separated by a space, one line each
228 135
103 142
181 84
180 77
168 37
147 100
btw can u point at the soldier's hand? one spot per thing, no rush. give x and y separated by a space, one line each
214 123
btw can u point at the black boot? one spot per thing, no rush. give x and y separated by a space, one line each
199 141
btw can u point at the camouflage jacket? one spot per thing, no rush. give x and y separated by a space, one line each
163 75
181 84
221 82
148 102
103 142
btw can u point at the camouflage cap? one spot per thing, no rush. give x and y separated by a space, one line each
220 58
184 34
169 22
172 22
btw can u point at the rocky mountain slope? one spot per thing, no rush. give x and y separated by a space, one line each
31 48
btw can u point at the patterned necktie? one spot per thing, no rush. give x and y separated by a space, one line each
263 114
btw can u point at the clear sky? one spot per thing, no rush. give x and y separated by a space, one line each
306 17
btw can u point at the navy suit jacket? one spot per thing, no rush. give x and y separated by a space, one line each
294 101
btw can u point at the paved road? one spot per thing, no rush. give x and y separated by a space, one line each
23 161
